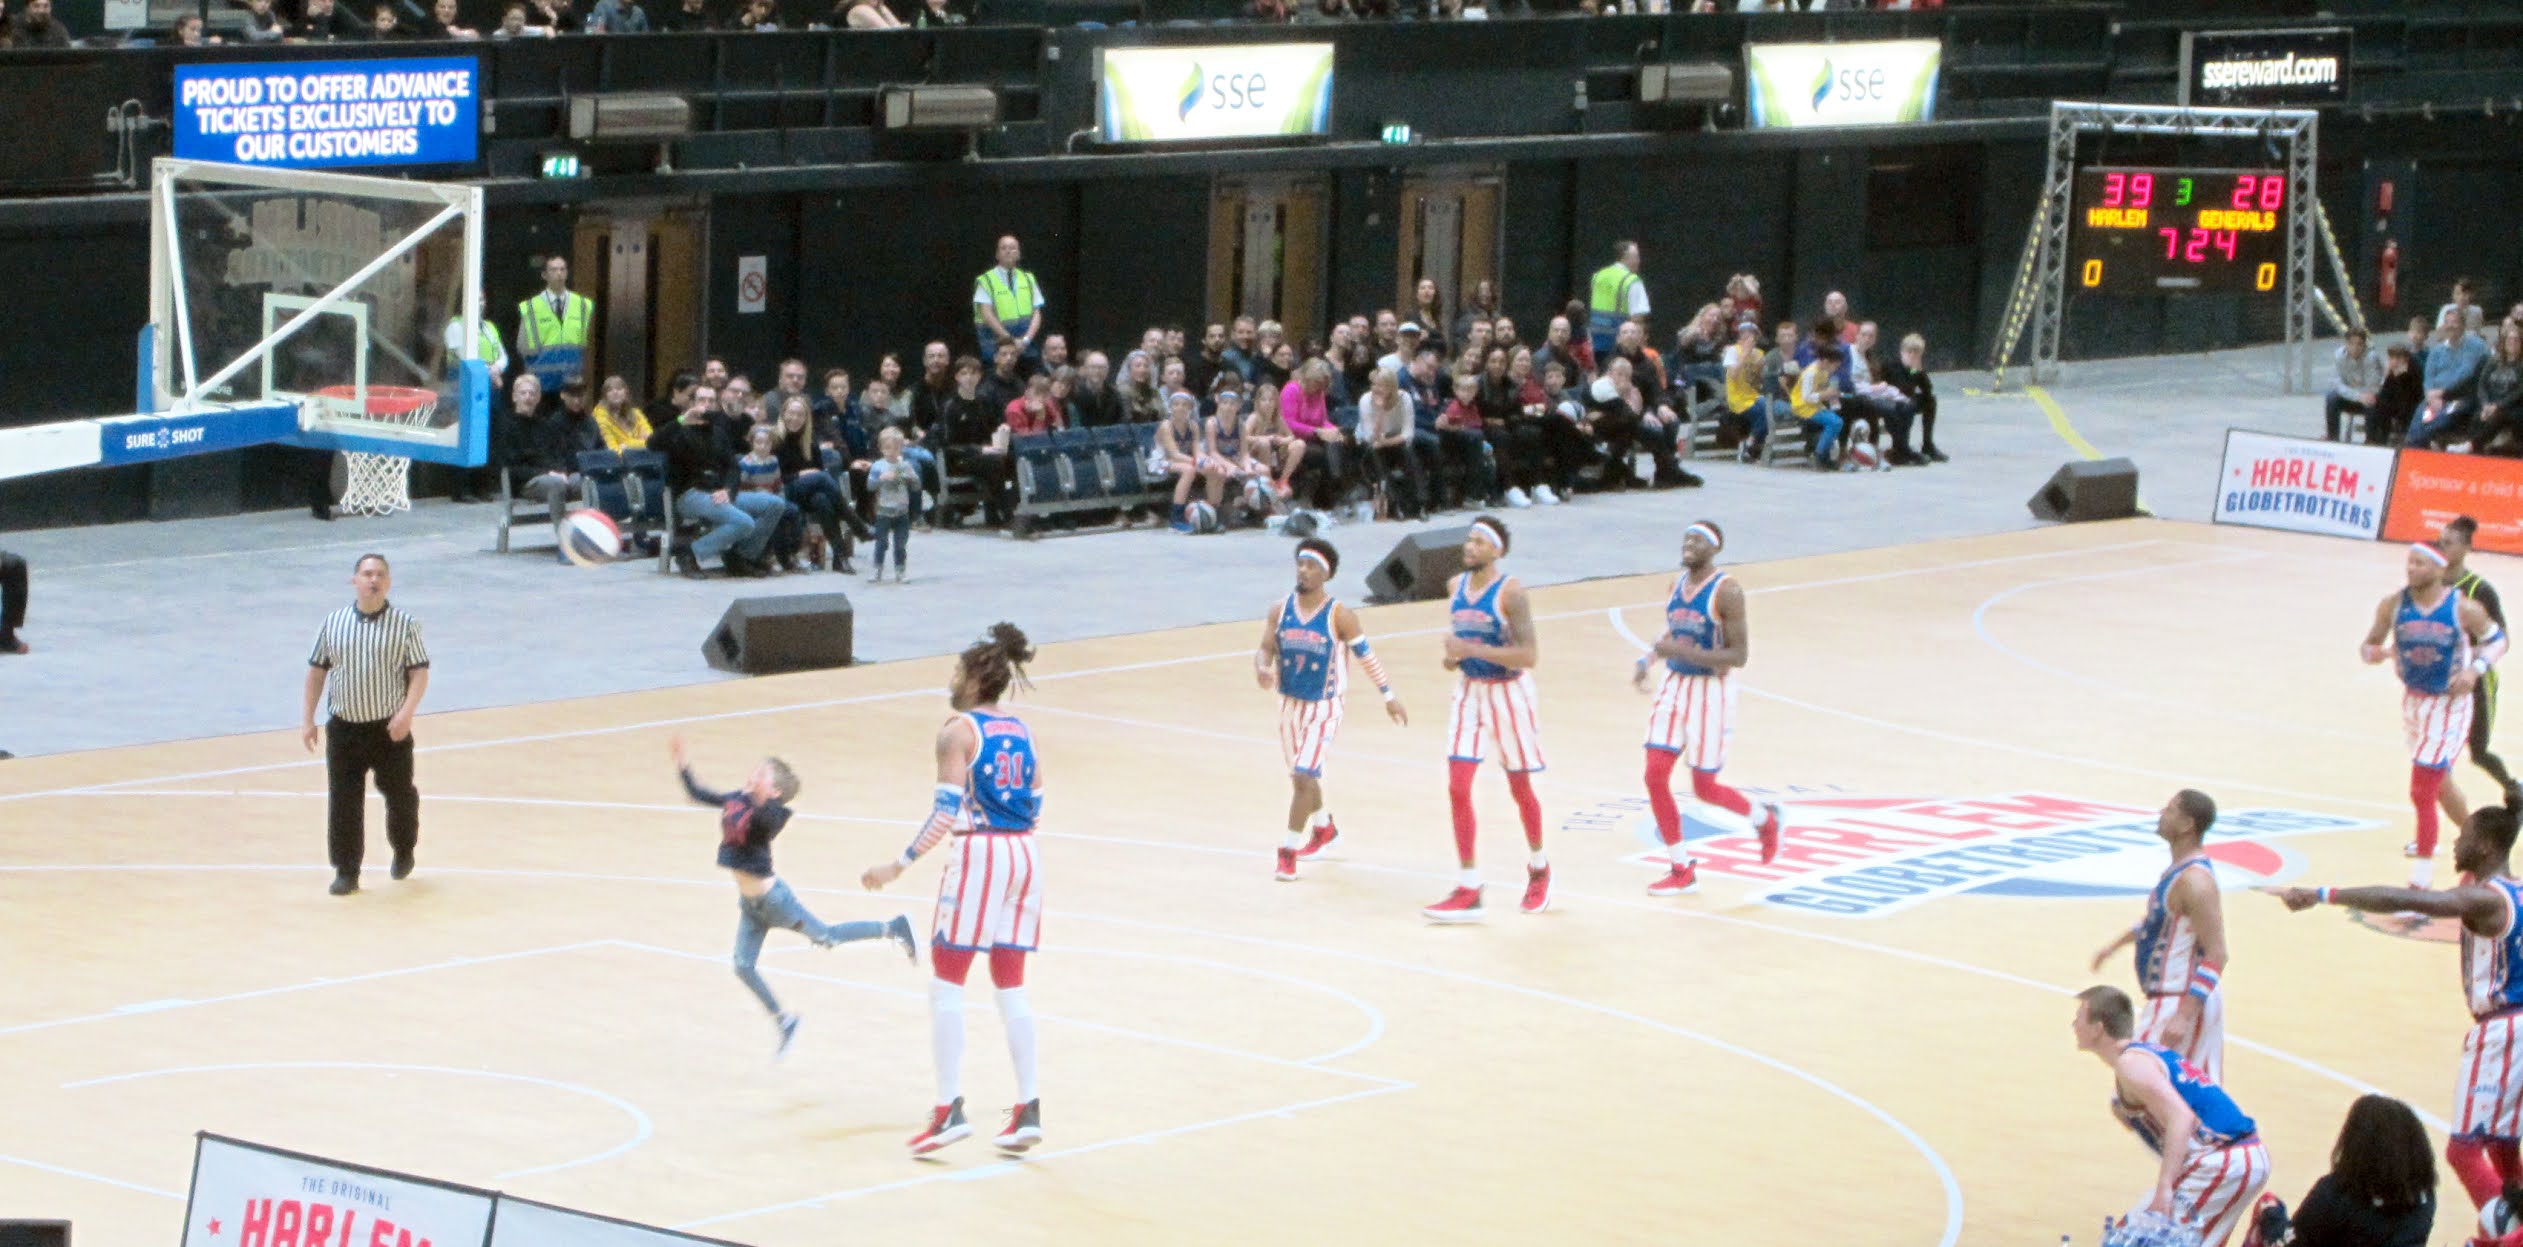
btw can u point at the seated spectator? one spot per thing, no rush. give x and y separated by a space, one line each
35 27
1751 411
976 443
1908 375
1280 368
1580 347
1305 404
1556 348
1530 428
1353 368
936 13
1140 402
739 409
1173 378
1408 337
1271 443
889 371
617 17
262 24
1502 332
1699 350
1093 403
689 17
445 22
1817 401
2464 306
1480 306
1006 382
2451 382
895 485
2357 373
1745 289
759 15
2380 1191
844 444
1184 445
2421 333
1246 476
1779 368
2501 394
869 15
1388 424
1428 309
701 477
758 475
1463 444
388 27
813 491
1201 367
188 32
557 17
540 454
1515 444
321 22
2396 400
1658 430
1243 339
12 604
623 426
1875 401
1567 426
1034 412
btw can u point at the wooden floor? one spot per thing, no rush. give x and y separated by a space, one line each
1850 1050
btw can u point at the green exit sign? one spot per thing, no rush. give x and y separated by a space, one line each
1398 133
563 165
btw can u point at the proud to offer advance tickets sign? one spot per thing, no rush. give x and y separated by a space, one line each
329 114
1221 91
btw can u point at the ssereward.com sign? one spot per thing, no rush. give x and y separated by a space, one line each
1226 91
1879 83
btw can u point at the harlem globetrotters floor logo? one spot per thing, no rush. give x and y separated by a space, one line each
1853 856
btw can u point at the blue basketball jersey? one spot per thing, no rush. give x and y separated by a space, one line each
1479 619
1310 666
1001 790
2220 1121
1227 436
1692 616
2492 966
2429 644
2168 949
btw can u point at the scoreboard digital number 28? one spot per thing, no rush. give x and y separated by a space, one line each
2177 231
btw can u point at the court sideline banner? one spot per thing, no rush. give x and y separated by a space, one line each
2304 485
2431 487
245 1193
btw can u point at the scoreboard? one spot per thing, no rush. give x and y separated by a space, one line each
2177 231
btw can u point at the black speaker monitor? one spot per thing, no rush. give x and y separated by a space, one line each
798 632
2101 489
1418 568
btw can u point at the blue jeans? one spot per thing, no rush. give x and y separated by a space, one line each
894 530
758 916
746 522
2445 425
1761 413
1826 433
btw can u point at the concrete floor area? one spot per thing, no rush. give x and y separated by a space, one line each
152 632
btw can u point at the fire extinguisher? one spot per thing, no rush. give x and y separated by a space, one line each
2387 276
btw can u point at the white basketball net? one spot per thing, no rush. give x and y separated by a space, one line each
381 485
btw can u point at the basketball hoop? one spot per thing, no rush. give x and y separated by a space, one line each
380 485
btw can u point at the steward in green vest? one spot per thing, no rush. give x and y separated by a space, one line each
1616 295
1007 306
552 328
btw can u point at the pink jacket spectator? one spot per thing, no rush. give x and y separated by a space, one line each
1306 414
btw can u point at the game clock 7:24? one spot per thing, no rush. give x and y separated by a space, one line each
2177 231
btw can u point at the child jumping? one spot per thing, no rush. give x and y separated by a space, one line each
748 818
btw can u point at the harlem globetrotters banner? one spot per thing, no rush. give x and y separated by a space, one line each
2302 485
247 1195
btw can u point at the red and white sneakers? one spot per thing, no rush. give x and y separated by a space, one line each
1024 1128
1537 890
946 1125
1684 878
1324 837
1462 905
1773 820
1287 872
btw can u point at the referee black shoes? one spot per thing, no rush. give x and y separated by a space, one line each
402 865
344 885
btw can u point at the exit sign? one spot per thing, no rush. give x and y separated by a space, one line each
563 165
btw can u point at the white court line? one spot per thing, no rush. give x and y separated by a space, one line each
1980 625
258 993
92 1177
900 694
641 1127
1375 1016
1123 1032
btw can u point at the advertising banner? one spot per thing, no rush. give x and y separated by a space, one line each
1224 91
2264 68
330 114
2303 485
246 1195
2432 487
1879 83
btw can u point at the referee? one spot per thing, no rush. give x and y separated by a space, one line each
2455 542
378 670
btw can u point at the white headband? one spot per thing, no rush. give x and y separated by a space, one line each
1489 530
2431 552
1316 557
1708 532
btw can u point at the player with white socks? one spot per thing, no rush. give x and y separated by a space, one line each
1300 658
989 794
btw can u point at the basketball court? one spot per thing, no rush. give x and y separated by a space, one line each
1864 1044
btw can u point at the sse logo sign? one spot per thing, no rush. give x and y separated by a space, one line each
1848 85
1890 82
1864 857
1246 91
1224 93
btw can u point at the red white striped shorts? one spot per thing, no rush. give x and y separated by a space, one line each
2488 1101
2216 1188
1502 710
2206 1048
2436 725
1694 717
1306 729
990 895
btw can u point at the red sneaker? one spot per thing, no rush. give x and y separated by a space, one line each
1772 820
1537 890
1462 905
1024 1127
1287 866
946 1125
1685 878
1325 837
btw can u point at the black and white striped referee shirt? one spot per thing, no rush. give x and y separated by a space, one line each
369 657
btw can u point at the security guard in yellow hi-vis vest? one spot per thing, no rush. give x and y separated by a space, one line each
1007 305
1616 296
552 328
487 346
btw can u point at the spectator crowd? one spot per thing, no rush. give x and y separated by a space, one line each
1395 414
2453 382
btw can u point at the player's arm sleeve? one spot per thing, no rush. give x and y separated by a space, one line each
692 787
2486 596
1373 665
947 802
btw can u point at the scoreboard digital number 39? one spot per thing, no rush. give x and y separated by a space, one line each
2167 231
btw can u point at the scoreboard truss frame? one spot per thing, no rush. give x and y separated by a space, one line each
2040 293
